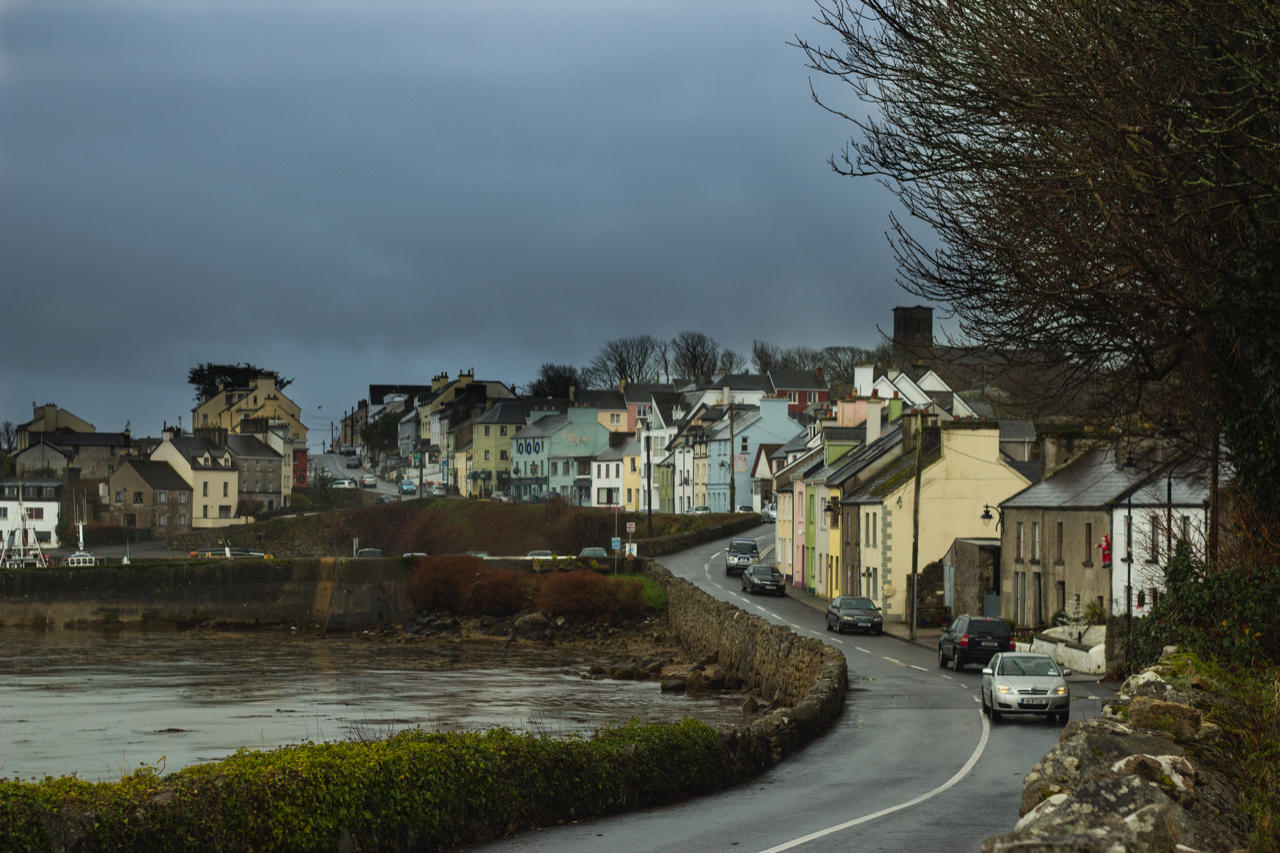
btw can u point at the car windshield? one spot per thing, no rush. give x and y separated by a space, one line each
739 546
856 604
1028 666
765 572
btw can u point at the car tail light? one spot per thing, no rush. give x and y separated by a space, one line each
964 640
1013 647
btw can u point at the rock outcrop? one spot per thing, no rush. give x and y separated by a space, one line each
1130 780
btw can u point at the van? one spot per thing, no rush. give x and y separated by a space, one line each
741 553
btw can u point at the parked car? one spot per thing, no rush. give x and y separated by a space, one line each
368 553
386 499
741 553
409 555
1025 683
437 491
700 510
593 553
855 613
500 497
408 487
343 483
768 513
973 639
746 508
759 577
541 554
368 481
353 463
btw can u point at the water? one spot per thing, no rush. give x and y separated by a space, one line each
100 704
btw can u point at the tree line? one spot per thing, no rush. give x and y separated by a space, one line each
693 356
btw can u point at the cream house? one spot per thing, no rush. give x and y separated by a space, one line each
210 469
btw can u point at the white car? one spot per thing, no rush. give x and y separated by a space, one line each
700 510
1020 683
768 513
343 483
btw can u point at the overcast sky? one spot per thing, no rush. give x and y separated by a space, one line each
376 192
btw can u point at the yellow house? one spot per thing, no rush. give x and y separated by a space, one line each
211 472
961 471
261 400
633 484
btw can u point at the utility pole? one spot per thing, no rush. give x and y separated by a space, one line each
648 469
733 493
915 528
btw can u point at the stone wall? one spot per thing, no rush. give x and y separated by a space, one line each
1127 781
327 593
803 678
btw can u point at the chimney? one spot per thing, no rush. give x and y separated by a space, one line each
863 379
726 396
873 420
818 372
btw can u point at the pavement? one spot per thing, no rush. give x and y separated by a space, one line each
925 637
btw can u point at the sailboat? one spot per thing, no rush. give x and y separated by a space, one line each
81 557
21 547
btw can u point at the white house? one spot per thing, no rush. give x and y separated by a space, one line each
1147 522
33 520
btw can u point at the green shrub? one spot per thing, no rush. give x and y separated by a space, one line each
1228 613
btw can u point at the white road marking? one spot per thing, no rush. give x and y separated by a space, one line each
864 651
922 669
950 783
893 660
947 677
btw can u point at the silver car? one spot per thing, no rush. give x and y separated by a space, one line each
1025 683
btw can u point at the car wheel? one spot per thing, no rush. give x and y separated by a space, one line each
828 623
879 631
942 659
1063 716
957 663
986 709
995 713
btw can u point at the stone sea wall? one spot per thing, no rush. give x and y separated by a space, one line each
327 593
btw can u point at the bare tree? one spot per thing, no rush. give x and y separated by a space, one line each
628 360
555 380
730 361
8 436
801 358
694 356
764 355
662 360
1102 190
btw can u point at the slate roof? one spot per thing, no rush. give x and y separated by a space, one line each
600 399
641 392
849 466
250 447
505 412
193 446
1093 481
744 382
797 380
1017 429
544 426
876 489
845 434
158 475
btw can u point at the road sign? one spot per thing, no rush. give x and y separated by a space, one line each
631 527
616 543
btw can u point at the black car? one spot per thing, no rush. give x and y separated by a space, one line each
741 553
761 578
855 613
973 639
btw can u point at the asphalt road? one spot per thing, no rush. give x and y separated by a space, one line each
912 764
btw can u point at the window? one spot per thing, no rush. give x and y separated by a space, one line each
1153 553
1035 541
1088 543
120 496
182 497
486 429
1058 537
1060 590
615 419
225 484
628 496
1186 528
137 497
224 511
162 497
205 510
182 519
744 444
502 455
1017 551
257 465
617 469
35 513
502 430
633 464
204 489
4 512
162 520
486 456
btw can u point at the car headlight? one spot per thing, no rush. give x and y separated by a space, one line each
1003 689
1060 691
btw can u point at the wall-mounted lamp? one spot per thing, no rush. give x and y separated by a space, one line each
987 515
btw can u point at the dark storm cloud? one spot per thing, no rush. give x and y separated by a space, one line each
377 192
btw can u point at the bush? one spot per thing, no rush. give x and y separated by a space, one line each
1232 614
436 582
496 592
585 594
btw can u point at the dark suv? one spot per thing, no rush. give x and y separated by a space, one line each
973 639
741 553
